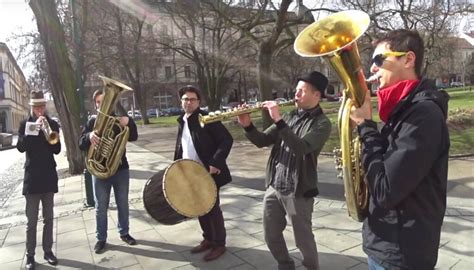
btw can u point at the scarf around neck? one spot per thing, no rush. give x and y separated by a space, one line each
389 97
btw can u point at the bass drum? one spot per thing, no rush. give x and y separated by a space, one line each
185 189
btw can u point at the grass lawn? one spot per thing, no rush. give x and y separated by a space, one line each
461 121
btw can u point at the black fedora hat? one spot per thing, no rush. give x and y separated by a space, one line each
316 79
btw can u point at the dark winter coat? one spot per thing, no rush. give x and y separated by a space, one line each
407 165
304 143
40 167
212 142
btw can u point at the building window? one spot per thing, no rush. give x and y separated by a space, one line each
149 28
167 72
187 71
153 72
164 29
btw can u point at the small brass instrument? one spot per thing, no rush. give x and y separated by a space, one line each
231 113
103 159
51 136
334 38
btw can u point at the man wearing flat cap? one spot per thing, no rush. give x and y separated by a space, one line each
41 179
291 177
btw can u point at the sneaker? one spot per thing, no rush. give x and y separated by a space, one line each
99 247
50 258
128 239
203 246
30 263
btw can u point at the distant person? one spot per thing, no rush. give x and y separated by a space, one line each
406 163
41 179
291 179
209 145
120 181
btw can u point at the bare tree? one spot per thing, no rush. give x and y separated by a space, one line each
117 46
61 77
434 20
206 39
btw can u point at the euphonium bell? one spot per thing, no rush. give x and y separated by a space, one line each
334 38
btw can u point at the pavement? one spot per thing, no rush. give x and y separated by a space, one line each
168 247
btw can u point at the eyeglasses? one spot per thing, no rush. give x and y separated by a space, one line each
189 99
380 58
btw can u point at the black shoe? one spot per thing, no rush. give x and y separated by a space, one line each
99 247
50 258
128 239
30 263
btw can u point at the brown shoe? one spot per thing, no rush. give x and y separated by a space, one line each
215 253
203 246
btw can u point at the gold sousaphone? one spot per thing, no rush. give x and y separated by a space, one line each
334 38
104 159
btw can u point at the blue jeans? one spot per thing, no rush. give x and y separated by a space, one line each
373 265
120 182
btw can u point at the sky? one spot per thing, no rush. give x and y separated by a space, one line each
15 17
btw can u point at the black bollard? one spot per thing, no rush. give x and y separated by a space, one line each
89 190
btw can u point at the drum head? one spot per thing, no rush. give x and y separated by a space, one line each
189 188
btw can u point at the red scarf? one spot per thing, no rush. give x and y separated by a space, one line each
389 97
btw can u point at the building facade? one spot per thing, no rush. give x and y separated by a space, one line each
14 91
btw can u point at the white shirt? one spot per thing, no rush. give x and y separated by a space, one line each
189 152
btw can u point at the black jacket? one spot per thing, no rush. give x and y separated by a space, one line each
85 143
213 143
407 166
40 167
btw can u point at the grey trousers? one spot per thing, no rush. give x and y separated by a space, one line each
278 207
32 209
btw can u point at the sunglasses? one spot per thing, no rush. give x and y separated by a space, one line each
380 58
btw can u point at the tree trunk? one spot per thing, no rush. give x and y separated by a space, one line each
61 77
264 78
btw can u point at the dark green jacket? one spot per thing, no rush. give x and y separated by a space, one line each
305 145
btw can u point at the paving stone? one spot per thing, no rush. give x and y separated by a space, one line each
227 260
3 234
259 257
78 257
115 257
360 266
249 224
335 240
15 236
463 265
330 259
13 265
446 260
70 223
244 266
238 239
340 221
72 239
12 253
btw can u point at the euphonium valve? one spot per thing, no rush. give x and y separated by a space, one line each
334 38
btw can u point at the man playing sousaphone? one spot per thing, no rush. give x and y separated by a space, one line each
119 181
209 145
